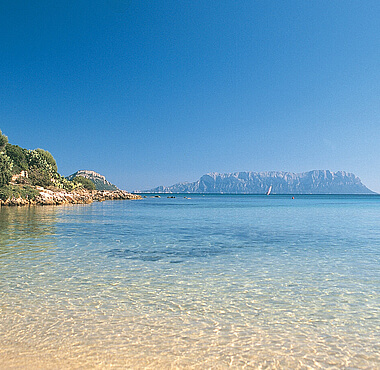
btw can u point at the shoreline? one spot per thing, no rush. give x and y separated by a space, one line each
60 197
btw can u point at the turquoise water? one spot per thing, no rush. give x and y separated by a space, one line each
212 281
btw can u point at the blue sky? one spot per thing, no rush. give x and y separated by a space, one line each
152 93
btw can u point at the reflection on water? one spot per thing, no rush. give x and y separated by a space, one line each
216 282
26 229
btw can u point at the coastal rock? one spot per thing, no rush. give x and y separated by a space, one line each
58 197
312 182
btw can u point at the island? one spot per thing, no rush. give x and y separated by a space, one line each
273 182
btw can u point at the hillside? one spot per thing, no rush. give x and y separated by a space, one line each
99 180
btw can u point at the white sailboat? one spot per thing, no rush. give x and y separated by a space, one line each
269 190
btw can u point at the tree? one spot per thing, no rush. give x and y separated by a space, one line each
40 171
5 169
48 157
5 162
19 156
40 177
3 141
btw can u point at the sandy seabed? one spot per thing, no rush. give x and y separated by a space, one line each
184 343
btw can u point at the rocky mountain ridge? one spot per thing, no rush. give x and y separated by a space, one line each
312 182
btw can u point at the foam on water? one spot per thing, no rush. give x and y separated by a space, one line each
215 281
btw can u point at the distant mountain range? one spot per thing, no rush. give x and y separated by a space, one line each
312 182
99 180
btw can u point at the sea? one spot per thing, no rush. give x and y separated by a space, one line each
192 282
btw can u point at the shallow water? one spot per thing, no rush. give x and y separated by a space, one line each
211 281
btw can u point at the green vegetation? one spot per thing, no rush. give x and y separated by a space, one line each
31 168
48 158
41 171
6 164
5 169
24 192
86 183
19 157
40 177
3 141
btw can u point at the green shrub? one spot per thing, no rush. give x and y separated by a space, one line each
6 166
40 165
48 158
68 185
40 177
86 183
35 159
19 156
5 192
3 141
25 192
41 172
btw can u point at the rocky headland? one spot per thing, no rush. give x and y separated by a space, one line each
60 197
30 177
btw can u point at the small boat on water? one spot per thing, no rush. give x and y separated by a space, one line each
269 190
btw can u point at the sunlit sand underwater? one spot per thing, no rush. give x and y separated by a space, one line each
207 282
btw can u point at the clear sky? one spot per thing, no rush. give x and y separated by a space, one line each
152 93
